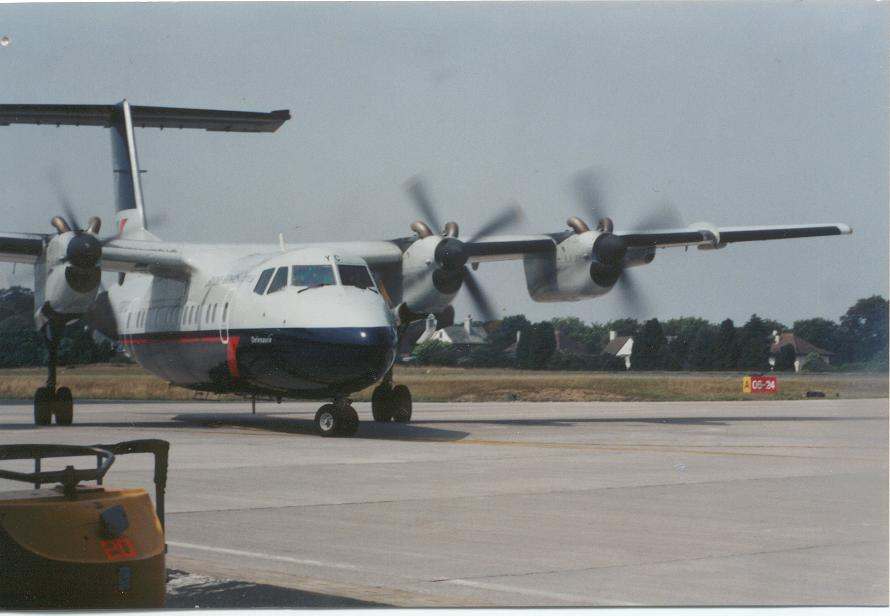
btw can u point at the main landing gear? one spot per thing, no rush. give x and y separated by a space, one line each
49 401
390 403
337 419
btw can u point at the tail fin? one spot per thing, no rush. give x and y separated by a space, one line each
122 118
130 217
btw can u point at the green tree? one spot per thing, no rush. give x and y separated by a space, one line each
650 347
772 325
865 327
702 352
524 347
754 344
486 356
785 358
624 327
505 334
540 346
726 354
436 353
821 332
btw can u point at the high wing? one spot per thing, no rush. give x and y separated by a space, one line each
511 247
22 247
707 236
159 258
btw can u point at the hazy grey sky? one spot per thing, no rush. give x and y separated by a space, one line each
737 114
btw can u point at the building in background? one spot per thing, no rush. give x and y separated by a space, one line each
465 335
620 346
804 350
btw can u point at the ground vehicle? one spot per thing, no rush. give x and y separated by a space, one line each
75 546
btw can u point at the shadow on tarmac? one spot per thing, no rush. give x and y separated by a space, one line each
189 592
290 425
418 430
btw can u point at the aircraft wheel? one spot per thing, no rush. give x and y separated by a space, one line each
381 407
64 404
349 421
402 404
328 420
43 412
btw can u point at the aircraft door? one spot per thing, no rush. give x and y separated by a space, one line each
226 317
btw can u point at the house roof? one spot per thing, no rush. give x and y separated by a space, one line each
616 345
801 346
458 335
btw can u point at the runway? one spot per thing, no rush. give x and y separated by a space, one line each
517 504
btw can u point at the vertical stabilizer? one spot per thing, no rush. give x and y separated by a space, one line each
130 217
121 119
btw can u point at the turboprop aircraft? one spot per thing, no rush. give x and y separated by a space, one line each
307 321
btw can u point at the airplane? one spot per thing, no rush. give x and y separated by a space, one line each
315 321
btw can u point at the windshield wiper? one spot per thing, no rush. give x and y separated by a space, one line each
313 286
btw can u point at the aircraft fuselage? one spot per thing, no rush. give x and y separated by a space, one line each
314 327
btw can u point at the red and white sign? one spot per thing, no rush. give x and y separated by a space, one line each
757 384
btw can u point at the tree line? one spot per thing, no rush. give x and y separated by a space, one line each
858 341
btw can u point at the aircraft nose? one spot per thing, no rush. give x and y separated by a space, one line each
319 362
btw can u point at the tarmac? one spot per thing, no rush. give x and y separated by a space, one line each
510 504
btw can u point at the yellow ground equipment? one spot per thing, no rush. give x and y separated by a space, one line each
76 546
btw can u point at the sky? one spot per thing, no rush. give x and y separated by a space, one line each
733 113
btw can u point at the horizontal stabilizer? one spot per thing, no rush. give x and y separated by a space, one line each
145 117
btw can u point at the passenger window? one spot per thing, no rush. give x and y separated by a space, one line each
225 312
355 276
279 281
128 319
213 315
207 314
312 275
260 287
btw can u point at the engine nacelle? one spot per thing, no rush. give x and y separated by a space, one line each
571 273
426 287
66 279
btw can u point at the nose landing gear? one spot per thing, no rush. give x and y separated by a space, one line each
337 419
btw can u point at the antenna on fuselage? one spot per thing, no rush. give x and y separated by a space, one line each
281 241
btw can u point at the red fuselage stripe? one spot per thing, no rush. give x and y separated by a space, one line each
186 339
232 356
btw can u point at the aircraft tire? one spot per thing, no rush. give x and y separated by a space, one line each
381 407
43 412
348 421
64 407
402 405
328 420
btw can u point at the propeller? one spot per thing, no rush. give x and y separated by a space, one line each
452 253
610 248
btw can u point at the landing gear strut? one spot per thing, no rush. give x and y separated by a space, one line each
48 400
389 403
337 419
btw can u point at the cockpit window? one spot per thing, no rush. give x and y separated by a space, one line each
356 276
312 275
260 287
280 280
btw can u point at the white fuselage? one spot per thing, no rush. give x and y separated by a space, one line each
215 330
